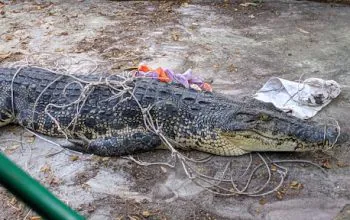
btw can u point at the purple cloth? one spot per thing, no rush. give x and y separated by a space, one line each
192 79
179 78
184 79
146 75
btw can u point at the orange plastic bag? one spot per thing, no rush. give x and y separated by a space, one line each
144 68
162 76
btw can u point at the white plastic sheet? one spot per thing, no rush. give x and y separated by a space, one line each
302 100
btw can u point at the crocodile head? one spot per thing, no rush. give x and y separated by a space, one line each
251 130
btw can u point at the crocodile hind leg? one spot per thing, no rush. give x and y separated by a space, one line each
129 143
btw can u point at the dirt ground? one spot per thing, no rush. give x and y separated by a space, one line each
238 45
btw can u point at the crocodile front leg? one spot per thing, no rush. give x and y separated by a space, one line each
127 143
6 114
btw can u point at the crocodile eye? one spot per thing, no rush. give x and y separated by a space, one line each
264 117
245 117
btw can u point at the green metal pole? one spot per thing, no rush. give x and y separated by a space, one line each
32 193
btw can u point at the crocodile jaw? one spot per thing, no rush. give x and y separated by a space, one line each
251 141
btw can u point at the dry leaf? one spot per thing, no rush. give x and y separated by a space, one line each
164 170
59 50
30 140
146 214
280 195
303 31
74 158
13 201
4 56
28 134
251 16
105 159
10 150
273 168
262 201
85 186
296 185
133 217
7 37
326 164
54 181
341 164
185 5
248 4
175 36
232 68
45 169
64 33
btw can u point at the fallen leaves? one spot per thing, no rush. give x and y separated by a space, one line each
262 201
7 37
64 33
280 194
42 6
251 16
248 4
273 168
29 137
175 36
15 204
146 214
11 149
59 50
50 178
163 169
293 188
326 164
232 68
296 185
303 31
185 5
4 56
2 12
22 35
45 169
74 158
142 215
342 164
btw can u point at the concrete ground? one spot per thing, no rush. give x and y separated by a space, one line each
238 45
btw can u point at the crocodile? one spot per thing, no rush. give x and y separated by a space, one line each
97 119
